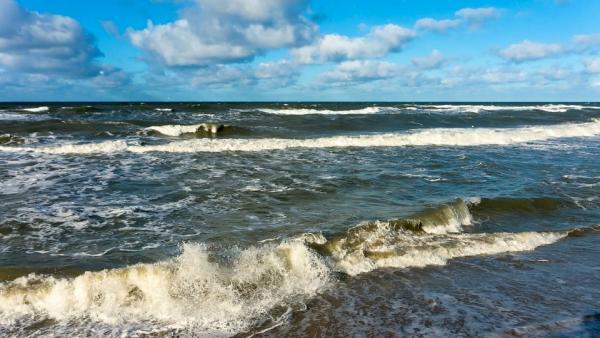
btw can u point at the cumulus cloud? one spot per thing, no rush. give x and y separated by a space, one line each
476 16
223 31
380 41
433 25
361 71
435 60
32 42
592 65
42 53
279 73
528 50
473 16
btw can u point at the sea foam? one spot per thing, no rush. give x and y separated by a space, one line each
198 292
180 129
306 111
37 109
455 137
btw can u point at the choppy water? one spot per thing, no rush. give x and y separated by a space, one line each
289 219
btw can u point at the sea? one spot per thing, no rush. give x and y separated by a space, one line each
299 219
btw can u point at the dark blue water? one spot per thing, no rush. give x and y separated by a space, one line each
299 219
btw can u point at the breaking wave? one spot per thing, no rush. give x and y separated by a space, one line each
191 291
306 111
459 137
216 293
37 109
550 108
180 129
431 237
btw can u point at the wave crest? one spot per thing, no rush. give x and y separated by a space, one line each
190 291
457 137
180 129
229 292
307 111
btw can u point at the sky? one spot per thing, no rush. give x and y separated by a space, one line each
299 50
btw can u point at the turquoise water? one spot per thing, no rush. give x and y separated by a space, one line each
298 219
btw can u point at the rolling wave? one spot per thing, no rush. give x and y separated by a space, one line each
550 108
306 111
37 109
180 129
458 137
210 296
440 108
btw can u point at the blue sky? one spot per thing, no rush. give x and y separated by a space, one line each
245 50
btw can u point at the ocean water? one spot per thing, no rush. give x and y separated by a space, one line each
299 219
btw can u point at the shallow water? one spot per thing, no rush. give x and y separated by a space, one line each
331 219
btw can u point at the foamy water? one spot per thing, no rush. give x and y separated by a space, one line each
459 137
192 291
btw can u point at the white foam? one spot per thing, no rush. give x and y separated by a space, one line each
190 291
551 108
37 109
459 137
164 109
305 111
180 129
194 292
389 248
8 116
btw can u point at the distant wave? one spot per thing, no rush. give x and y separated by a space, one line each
180 129
440 108
209 296
36 109
305 111
551 108
164 109
458 137
13 116
82 109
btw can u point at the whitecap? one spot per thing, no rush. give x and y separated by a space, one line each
37 109
451 137
304 111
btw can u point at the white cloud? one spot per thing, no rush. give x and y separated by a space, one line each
380 41
43 53
528 50
499 76
280 73
265 74
476 16
221 31
361 71
592 65
44 43
586 42
429 24
435 60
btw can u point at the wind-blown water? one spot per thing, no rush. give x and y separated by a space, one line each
288 219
